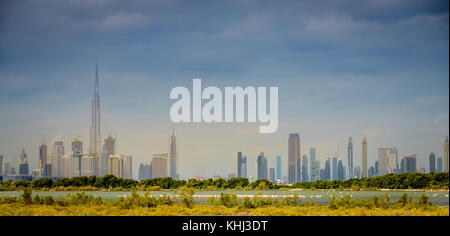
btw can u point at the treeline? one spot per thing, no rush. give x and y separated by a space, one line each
390 181
435 180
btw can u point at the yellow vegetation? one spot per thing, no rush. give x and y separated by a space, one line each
19 209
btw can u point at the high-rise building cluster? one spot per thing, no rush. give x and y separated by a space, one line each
161 165
55 162
102 160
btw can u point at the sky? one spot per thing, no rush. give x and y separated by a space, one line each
343 69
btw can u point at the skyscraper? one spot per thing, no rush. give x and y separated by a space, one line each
335 167
294 158
75 164
244 167
410 164
262 166
109 148
350 157
159 165
432 162
56 157
23 163
95 135
279 168
315 170
173 156
272 175
357 172
65 163
6 167
446 154
127 167
387 160
364 157
145 171
239 164
115 165
341 171
89 165
312 154
305 176
327 171
43 159
77 145
439 164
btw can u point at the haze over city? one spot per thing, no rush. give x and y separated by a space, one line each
378 68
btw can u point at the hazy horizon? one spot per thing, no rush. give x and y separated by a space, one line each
379 68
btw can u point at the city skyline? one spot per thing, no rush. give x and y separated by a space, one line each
378 69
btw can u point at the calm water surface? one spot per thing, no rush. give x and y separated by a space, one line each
319 196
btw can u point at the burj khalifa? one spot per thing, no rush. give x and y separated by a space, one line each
95 141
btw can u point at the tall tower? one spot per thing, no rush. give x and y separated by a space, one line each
446 154
43 158
350 158
95 141
56 156
173 155
294 158
364 157
77 145
239 164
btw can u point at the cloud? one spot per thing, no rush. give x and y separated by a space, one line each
440 118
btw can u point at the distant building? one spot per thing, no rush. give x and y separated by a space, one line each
35 173
239 164
315 170
77 145
350 157
387 161
23 164
446 155
422 170
43 160
262 166
127 167
439 164
305 176
409 164
75 164
327 170
364 157
95 134
57 154
371 172
376 168
272 175
173 155
432 162
335 167
159 165
340 170
115 165
357 172
244 167
66 165
312 154
294 158
279 174
145 171
88 165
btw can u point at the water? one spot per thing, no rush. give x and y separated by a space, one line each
319 196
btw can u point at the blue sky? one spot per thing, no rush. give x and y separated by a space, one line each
343 68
